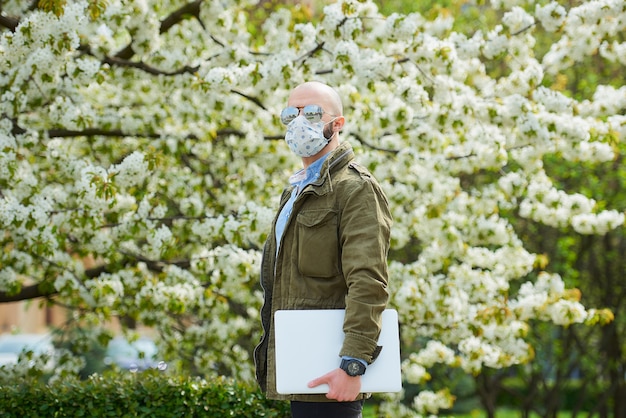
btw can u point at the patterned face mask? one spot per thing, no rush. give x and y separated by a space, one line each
305 138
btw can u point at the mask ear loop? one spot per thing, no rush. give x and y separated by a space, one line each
328 130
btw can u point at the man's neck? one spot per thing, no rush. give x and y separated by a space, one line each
307 161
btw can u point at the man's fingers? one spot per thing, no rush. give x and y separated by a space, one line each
319 381
315 382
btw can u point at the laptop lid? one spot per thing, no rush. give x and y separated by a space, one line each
308 344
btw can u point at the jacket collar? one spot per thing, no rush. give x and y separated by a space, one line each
338 158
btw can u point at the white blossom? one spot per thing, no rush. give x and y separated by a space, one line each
552 15
131 171
517 20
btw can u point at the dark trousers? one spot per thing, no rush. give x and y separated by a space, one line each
326 409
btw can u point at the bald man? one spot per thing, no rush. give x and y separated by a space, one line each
327 250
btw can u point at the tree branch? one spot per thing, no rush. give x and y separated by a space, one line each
12 22
26 293
156 265
147 68
68 133
312 52
523 29
35 291
9 22
252 99
367 144
178 15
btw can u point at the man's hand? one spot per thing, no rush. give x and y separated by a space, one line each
342 387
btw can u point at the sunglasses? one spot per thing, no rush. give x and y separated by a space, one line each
313 113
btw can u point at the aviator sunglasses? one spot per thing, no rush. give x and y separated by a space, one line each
313 113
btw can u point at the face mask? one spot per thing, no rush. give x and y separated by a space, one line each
305 138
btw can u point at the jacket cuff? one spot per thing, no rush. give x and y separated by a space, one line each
360 347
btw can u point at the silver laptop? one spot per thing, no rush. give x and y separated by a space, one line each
308 344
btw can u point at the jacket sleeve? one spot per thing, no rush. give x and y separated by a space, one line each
364 231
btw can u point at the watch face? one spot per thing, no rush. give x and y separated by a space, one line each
353 368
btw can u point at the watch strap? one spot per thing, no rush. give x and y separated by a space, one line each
353 366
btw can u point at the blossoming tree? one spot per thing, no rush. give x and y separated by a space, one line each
141 161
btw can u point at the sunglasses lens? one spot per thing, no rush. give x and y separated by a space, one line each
288 114
313 113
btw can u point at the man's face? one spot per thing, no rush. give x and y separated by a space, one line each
301 97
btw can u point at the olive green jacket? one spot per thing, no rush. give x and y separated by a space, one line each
333 255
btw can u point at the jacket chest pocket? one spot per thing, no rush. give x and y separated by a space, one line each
318 243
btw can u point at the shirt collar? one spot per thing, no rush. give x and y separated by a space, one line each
310 173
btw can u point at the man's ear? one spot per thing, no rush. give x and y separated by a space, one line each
338 123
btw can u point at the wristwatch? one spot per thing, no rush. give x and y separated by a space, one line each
352 367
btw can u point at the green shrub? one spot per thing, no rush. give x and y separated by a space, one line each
147 394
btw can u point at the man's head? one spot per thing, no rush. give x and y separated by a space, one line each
320 94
